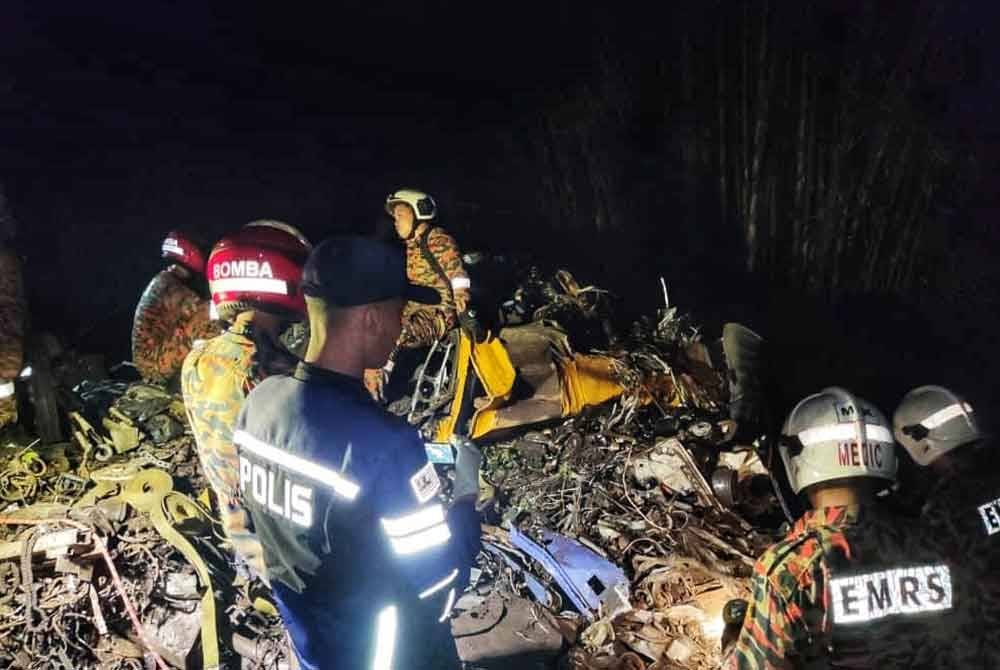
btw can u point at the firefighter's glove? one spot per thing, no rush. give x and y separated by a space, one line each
375 380
468 458
461 300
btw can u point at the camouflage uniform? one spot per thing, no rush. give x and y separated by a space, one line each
216 379
788 623
13 315
425 324
169 319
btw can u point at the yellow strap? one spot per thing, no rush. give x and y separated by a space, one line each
152 492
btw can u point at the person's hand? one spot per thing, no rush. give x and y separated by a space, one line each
375 379
461 300
468 459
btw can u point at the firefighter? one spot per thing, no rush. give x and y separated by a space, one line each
172 314
847 587
943 434
365 561
254 276
13 317
432 259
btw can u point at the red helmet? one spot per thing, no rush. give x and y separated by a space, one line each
181 249
260 267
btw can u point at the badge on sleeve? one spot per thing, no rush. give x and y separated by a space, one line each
425 483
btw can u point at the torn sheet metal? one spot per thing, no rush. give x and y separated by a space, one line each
537 589
594 586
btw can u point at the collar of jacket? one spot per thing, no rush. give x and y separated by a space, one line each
847 515
314 374
242 325
420 231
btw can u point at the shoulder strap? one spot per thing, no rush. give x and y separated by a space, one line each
425 251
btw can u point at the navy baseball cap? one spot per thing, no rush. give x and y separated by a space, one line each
355 270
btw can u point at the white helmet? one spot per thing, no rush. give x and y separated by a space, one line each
931 421
833 435
423 205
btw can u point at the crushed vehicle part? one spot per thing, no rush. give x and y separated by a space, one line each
745 359
162 428
594 585
537 589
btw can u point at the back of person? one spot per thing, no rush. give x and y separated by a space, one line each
169 318
851 586
892 598
332 608
364 558
962 522
215 381
255 274
949 441
843 583
171 315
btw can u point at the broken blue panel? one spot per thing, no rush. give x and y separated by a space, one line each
537 589
588 580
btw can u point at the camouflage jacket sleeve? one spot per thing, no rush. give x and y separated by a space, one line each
777 626
13 315
423 325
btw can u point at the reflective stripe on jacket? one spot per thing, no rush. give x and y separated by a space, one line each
347 508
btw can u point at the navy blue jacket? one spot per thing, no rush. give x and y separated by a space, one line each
363 558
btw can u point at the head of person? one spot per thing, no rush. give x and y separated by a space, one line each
933 421
836 441
259 269
185 251
355 289
408 209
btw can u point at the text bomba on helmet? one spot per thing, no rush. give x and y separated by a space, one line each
259 267
931 421
835 435
181 249
423 206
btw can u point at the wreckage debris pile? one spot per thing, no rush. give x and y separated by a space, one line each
647 482
110 557
107 558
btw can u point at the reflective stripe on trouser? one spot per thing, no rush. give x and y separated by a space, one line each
386 625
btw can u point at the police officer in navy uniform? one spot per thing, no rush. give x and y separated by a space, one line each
365 559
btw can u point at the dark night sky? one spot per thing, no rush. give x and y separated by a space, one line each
122 120
125 119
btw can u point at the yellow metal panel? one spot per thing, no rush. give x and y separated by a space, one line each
463 357
587 380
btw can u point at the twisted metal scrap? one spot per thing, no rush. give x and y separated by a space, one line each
115 577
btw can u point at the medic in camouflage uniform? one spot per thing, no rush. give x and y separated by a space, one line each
171 314
13 317
846 588
255 278
944 436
